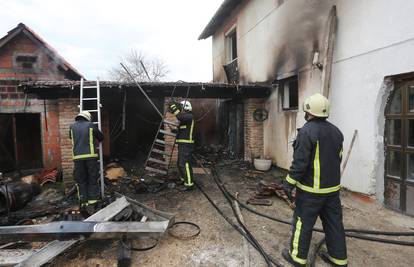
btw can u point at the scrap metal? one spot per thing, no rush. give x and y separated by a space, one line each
67 230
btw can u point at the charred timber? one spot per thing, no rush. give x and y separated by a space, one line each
17 195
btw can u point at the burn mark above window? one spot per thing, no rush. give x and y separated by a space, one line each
26 61
289 91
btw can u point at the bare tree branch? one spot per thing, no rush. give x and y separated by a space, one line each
157 69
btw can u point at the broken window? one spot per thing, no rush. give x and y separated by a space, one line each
289 89
26 61
231 68
231 40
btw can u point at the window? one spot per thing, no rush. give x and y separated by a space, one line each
26 61
289 91
231 40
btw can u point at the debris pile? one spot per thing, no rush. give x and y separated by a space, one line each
266 190
123 219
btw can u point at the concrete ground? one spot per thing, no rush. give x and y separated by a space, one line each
220 245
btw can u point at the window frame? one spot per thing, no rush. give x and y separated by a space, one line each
282 89
231 37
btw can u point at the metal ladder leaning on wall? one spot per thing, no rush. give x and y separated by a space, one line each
158 159
94 96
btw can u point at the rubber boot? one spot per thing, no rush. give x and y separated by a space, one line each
288 258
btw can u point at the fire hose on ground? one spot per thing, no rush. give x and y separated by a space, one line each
354 233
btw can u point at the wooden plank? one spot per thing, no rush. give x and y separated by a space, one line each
54 248
16 154
329 49
10 257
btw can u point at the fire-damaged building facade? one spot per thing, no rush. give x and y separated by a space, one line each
40 97
357 53
30 128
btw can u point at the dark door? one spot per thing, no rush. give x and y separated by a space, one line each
399 147
20 141
231 117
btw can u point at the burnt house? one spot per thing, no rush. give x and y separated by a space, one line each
29 127
40 101
357 53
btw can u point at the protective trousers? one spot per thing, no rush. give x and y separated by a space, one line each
86 174
308 207
185 152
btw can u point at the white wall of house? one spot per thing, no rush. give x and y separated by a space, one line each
375 39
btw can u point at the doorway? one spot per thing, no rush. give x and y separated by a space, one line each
20 141
399 148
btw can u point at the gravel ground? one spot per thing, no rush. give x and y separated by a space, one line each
220 245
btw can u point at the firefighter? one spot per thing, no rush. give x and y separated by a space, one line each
185 140
315 172
84 135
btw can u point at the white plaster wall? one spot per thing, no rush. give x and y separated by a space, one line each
375 39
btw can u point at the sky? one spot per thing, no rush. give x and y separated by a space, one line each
93 35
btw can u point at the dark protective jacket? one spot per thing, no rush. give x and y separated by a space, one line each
186 128
83 135
317 158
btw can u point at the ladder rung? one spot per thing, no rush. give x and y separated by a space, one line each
162 142
90 98
155 170
90 87
160 152
171 123
159 161
92 110
95 122
168 133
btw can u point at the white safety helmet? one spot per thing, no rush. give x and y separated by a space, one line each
85 114
186 105
317 105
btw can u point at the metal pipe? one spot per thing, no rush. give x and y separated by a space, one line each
142 90
66 230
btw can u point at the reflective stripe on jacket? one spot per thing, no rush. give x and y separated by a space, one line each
317 158
83 134
186 127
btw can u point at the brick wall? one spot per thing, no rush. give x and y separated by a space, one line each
13 100
253 130
68 108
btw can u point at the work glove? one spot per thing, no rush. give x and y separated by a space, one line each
288 188
174 106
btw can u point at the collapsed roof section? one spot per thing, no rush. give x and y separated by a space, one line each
62 89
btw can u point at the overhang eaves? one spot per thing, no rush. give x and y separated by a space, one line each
221 14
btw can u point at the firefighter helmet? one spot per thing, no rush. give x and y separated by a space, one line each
317 105
186 105
85 114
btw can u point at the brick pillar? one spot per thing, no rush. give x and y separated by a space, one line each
253 130
68 108
51 135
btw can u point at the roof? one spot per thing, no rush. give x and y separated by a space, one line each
22 28
221 14
64 89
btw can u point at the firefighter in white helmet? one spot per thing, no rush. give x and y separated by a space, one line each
185 140
315 172
85 135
